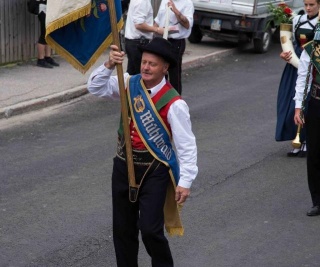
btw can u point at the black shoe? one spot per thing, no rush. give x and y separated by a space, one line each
43 64
314 211
293 154
51 61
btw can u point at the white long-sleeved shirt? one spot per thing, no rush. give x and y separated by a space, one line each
140 11
301 80
186 8
102 84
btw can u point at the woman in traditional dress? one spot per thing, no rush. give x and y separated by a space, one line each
303 32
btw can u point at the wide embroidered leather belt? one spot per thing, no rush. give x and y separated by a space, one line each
315 91
140 157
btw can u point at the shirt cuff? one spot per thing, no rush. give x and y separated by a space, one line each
105 70
184 184
298 104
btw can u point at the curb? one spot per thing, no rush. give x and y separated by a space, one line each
43 102
204 60
50 100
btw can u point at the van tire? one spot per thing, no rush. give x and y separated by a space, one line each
262 45
196 35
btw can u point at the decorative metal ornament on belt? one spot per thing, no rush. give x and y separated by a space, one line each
296 141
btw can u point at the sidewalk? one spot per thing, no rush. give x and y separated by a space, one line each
26 87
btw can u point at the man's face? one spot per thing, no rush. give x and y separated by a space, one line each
153 68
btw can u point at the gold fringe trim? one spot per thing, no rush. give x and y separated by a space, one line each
73 61
68 18
175 231
172 220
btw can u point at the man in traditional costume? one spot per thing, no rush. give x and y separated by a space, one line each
303 32
309 77
159 120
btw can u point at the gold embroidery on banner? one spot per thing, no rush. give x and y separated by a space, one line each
139 104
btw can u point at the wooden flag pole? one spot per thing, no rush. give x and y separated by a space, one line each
124 105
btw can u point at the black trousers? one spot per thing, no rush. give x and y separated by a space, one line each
313 148
178 47
42 20
145 215
134 55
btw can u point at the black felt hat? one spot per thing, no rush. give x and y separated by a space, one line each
161 47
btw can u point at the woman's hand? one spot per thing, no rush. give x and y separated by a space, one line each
286 55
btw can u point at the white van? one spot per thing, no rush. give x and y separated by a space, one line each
241 21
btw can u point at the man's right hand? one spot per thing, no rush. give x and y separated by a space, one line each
115 57
298 120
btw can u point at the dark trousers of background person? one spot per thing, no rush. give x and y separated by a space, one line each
134 55
178 47
127 221
313 148
42 20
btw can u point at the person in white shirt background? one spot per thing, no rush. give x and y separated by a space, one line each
139 29
180 24
148 214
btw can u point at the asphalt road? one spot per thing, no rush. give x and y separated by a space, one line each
247 207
